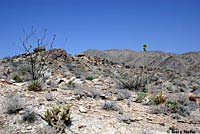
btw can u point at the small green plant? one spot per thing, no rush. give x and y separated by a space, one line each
58 117
141 96
172 105
35 86
29 117
89 78
17 78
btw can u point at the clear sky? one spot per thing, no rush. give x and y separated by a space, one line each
165 25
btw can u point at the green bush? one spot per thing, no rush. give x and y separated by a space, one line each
89 78
35 86
17 78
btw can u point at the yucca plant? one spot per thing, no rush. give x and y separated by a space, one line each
35 86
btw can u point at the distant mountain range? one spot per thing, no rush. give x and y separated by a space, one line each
180 62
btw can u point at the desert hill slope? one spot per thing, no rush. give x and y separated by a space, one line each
107 91
179 62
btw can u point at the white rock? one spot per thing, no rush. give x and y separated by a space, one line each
29 128
83 109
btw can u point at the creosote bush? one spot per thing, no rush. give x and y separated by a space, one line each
34 86
58 117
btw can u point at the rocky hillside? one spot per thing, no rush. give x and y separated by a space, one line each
179 62
106 92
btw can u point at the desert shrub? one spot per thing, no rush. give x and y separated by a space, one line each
123 94
159 109
136 82
93 93
79 92
47 130
24 70
182 105
58 117
35 86
89 78
140 96
17 78
131 80
109 105
29 117
12 104
159 99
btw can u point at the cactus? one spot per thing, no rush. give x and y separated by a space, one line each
58 117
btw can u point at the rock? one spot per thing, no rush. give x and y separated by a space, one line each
125 119
81 126
149 118
22 112
138 119
47 74
29 128
60 80
83 109
19 84
51 83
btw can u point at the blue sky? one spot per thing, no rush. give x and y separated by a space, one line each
165 25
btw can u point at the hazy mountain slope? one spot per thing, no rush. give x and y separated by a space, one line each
180 62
